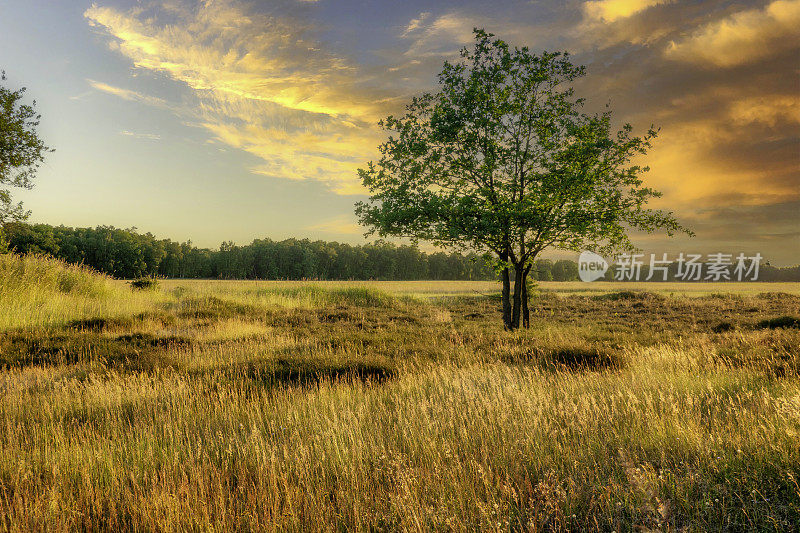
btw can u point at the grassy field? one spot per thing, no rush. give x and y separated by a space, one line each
428 289
395 406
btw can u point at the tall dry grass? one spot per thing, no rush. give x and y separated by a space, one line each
40 291
250 407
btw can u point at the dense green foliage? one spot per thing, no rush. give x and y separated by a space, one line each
21 149
130 254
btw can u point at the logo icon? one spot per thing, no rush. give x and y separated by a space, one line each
591 266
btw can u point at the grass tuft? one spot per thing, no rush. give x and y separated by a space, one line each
306 372
629 295
723 327
780 322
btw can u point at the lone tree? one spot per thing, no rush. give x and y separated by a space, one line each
502 160
21 149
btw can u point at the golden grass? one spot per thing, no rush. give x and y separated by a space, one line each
38 291
479 288
353 406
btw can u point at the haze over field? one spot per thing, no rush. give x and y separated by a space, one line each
234 120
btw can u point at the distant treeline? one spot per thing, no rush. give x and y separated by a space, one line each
130 254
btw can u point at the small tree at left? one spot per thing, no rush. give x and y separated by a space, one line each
21 151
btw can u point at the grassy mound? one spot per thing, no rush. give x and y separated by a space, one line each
22 275
41 291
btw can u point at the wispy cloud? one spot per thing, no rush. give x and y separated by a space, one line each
148 136
264 84
126 94
342 225
438 36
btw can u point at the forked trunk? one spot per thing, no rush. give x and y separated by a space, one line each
518 283
526 315
506 299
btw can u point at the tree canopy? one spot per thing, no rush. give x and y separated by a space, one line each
503 160
21 149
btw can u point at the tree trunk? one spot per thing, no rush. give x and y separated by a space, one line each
506 299
518 283
526 315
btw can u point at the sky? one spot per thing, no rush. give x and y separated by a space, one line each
233 120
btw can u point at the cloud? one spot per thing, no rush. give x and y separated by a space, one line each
433 38
723 145
730 136
742 37
768 110
264 84
441 36
125 94
342 225
613 10
696 166
416 23
148 136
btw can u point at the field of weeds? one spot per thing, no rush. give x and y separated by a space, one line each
391 406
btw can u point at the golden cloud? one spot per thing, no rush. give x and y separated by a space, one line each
769 110
613 10
342 225
691 161
125 94
264 86
742 37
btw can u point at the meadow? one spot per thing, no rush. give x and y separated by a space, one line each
302 406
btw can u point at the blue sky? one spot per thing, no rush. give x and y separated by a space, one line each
234 120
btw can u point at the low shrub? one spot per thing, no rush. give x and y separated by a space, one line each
780 322
144 284
629 295
722 327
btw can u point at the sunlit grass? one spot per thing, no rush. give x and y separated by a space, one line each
367 406
482 288
37 291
